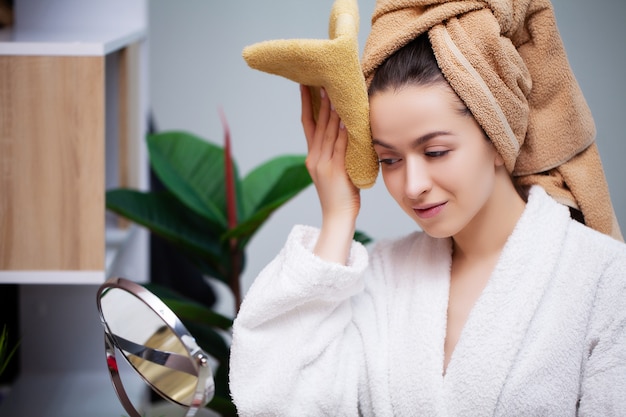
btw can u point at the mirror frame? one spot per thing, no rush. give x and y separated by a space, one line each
199 359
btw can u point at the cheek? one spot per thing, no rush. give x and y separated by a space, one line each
480 176
475 167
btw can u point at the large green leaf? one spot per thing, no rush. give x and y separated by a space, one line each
245 230
192 169
164 215
268 187
277 179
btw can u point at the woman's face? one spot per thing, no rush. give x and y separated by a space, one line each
436 161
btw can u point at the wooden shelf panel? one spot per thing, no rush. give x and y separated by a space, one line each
52 121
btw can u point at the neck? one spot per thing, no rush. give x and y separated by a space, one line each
486 235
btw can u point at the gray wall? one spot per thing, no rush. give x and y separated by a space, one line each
196 67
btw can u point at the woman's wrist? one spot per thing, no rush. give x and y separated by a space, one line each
335 239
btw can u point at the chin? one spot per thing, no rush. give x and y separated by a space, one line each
437 232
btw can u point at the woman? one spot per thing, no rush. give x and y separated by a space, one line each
503 305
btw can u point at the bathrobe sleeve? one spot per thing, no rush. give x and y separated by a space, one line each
603 386
294 349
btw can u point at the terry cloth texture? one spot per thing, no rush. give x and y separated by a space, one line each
505 59
333 64
545 338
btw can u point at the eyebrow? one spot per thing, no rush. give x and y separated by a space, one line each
416 142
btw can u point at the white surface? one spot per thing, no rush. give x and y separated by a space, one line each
52 277
67 42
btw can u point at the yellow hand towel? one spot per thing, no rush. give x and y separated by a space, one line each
333 64
506 61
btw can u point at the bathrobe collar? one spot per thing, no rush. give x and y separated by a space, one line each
495 328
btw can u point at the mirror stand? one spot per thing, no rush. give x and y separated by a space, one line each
155 343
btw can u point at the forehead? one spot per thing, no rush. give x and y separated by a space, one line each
404 107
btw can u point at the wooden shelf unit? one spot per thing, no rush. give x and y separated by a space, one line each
64 105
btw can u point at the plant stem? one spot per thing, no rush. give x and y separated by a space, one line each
231 208
235 279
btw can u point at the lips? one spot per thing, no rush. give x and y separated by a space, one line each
429 211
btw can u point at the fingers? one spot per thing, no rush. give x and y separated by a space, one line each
327 139
325 109
314 129
321 133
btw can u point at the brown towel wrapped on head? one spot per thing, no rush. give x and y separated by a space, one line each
506 61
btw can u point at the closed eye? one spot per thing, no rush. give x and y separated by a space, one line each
436 154
388 161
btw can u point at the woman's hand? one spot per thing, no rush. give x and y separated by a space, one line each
327 140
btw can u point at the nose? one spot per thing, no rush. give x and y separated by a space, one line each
418 180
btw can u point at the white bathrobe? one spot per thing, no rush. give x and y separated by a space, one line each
547 337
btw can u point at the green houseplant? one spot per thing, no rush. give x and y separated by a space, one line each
209 213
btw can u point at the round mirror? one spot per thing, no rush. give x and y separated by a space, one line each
155 343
